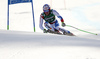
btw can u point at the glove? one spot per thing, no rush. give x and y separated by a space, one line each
63 24
44 31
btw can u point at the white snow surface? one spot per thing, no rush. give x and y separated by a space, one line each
30 45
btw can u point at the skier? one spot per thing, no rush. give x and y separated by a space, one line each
51 22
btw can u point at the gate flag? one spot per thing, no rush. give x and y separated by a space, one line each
10 2
18 1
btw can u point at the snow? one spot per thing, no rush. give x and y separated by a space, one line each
30 45
20 42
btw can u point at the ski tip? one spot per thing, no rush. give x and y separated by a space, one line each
71 34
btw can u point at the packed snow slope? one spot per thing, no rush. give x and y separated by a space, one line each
30 45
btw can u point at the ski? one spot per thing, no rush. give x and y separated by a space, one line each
58 33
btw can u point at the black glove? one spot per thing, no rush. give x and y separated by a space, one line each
44 31
63 24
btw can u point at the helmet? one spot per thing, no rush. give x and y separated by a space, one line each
46 8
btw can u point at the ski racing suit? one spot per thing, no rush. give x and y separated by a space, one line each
51 22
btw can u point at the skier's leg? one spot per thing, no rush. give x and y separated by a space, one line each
54 25
65 32
49 26
58 28
62 30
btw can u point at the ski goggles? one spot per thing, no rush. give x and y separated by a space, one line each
46 9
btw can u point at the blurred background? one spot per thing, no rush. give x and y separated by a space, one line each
83 14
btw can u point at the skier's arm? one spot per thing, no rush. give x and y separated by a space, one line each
41 23
58 15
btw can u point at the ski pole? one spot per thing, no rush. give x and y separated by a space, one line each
81 30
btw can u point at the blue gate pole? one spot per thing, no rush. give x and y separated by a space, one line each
33 16
8 17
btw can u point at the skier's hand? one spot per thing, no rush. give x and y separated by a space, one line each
63 24
44 31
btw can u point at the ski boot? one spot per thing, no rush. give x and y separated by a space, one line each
53 32
57 31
